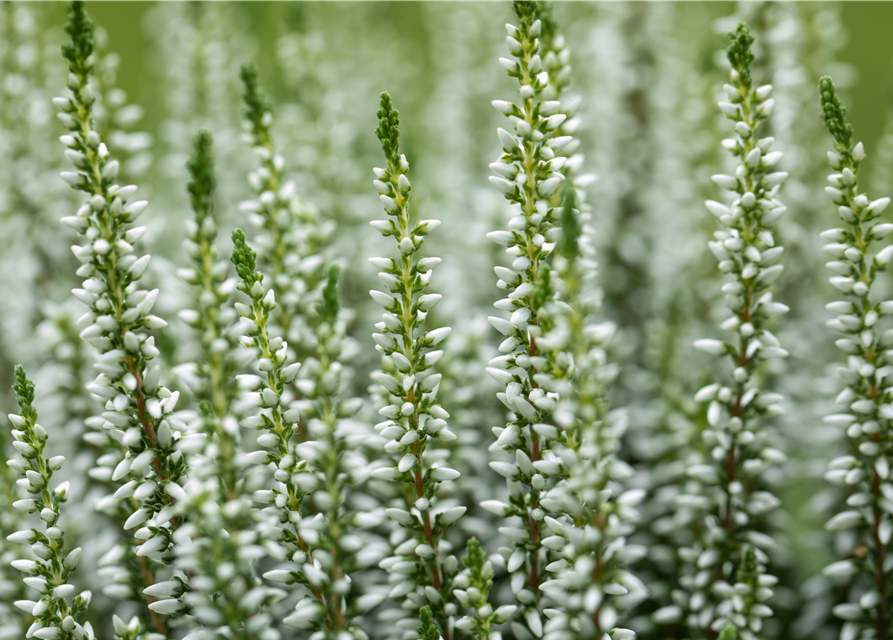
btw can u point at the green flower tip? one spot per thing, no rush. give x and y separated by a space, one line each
248 75
834 114
256 105
24 389
570 227
201 168
474 557
739 53
748 572
79 28
526 11
328 307
427 628
388 130
542 290
729 632
244 258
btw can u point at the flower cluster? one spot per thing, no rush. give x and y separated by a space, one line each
292 236
590 514
729 489
529 175
331 448
213 317
867 394
219 542
308 288
278 423
421 569
298 465
216 550
142 447
57 616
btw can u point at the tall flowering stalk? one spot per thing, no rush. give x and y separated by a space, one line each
217 550
278 423
55 616
573 475
336 465
308 290
733 500
589 514
223 528
528 176
213 317
13 621
292 236
137 407
312 565
421 569
867 393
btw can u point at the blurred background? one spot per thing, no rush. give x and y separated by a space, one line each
866 48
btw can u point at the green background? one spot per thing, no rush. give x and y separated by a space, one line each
869 49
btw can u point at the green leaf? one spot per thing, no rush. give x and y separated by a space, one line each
542 290
526 11
748 571
570 227
427 628
729 632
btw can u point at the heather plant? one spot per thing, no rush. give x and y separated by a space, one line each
728 559
554 368
140 448
422 568
866 389
292 237
56 614
604 457
527 177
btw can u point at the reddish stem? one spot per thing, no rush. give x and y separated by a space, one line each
149 580
880 551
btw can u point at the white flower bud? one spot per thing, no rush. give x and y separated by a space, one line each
169 606
504 186
713 347
729 183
